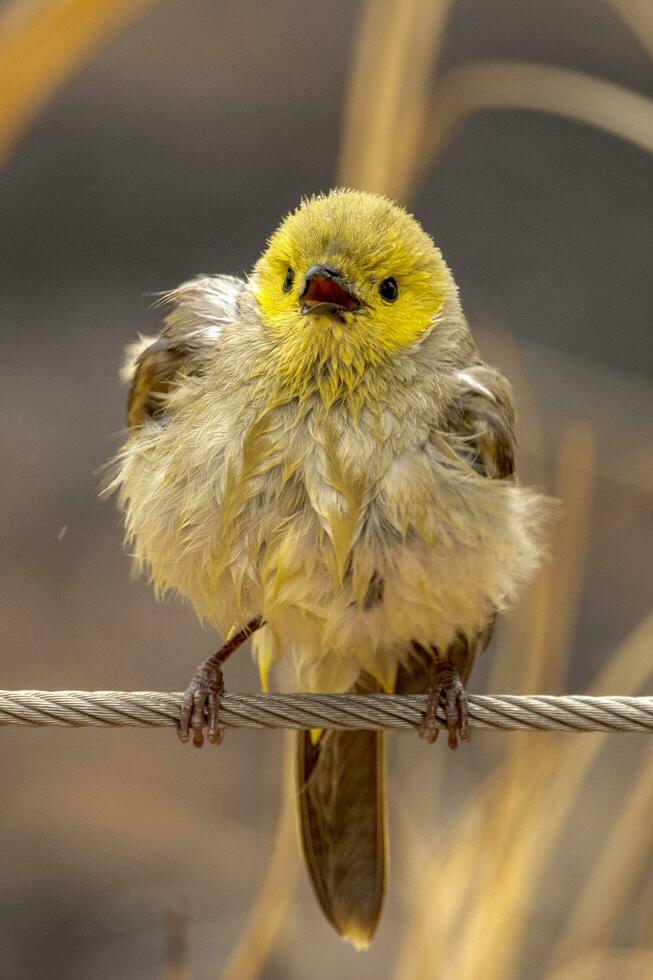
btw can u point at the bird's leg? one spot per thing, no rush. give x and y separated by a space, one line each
445 691
200 705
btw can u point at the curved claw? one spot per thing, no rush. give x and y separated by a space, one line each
429 732
216 732
430 728
185 716
198 718
463 716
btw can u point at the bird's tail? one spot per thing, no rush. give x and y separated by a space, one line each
342 817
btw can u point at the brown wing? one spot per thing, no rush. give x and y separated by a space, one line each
484 415
201 310
156 370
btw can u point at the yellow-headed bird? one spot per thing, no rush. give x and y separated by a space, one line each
319 455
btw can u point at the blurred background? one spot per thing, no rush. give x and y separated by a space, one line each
144 142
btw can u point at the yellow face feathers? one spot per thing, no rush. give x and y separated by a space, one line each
348 279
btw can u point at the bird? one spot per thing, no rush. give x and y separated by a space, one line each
317 457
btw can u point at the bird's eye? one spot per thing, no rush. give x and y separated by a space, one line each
389 289
289 280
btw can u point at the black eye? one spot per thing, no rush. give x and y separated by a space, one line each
389 289
289 280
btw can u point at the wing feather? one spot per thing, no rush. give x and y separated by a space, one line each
484 415
153 366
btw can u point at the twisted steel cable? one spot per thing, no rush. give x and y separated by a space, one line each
156 709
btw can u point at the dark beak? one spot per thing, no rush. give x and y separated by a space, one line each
325 292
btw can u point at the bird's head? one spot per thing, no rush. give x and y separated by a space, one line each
347 282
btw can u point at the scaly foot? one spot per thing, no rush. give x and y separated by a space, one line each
200 705
445 691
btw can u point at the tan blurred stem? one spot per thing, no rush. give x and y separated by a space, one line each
635 468
644 927
370 104
42 44
577 457
638 14
177 965
451 871
395 49
556 600
544 88
277 892
606 892
608 964
433 931
541 788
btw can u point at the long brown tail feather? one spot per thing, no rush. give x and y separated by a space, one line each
342 807
341 796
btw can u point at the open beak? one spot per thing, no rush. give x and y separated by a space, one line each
325 293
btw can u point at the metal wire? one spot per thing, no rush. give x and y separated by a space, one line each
155 709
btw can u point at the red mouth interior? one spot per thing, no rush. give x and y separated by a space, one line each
323 290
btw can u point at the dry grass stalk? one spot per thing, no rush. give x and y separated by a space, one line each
608 964
638 15
177 965
593 919
452 871
545 88
388 94
42 44
277 893
644 920
557 593
577 457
